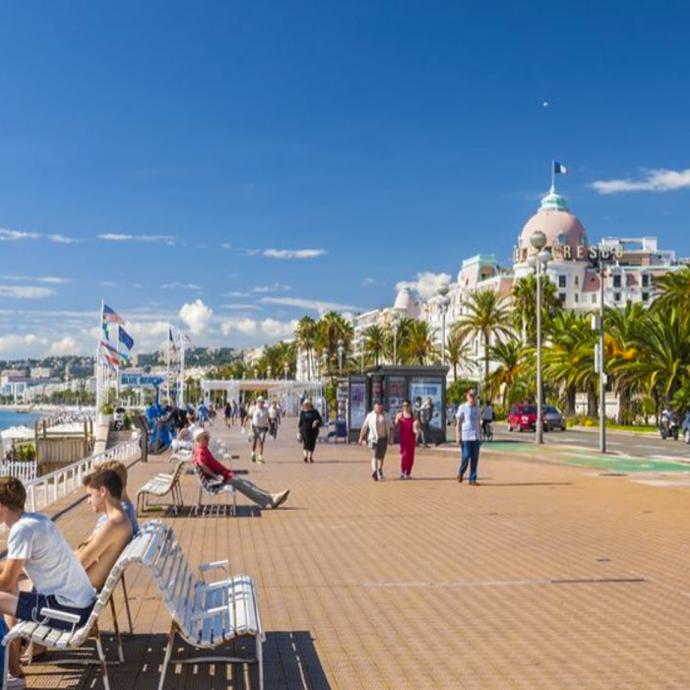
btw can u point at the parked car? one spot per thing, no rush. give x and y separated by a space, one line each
522 417
553 418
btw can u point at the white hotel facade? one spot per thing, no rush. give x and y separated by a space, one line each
629 276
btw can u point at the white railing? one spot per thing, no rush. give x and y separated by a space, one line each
49 488
23 470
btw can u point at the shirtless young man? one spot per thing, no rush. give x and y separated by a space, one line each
126 502
100 551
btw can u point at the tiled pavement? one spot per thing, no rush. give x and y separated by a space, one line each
545 576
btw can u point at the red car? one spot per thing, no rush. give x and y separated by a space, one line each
522 418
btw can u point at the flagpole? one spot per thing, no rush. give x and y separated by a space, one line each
117 373
168 380
180 392
98 369
553 176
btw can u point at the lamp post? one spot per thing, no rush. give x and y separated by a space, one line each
341 352
286 369
394 326
443 306
539 262
599 353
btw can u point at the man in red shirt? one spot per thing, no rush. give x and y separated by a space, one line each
214 470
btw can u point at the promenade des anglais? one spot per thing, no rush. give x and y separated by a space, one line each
344 346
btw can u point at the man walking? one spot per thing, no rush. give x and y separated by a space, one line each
376 433
467 433
260 423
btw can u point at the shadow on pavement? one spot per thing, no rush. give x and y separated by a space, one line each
290 661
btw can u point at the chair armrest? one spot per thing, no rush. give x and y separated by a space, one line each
215 565
211 613
61 616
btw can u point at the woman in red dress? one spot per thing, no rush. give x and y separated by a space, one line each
406 432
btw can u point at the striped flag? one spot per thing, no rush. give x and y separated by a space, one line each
559 168
109 316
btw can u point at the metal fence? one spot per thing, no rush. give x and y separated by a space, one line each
42 491
26 471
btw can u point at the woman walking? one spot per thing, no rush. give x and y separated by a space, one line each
309 423
405 424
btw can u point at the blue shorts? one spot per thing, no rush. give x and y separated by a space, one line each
29 605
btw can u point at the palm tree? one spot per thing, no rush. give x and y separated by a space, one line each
421 346
375 343
569 358
395 344
457 350
661 365
331 328
306 337
623 329
509 356
486 312
675 289
524 304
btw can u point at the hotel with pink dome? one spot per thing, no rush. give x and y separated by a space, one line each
632 264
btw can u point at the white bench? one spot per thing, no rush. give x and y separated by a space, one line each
204 614
162 485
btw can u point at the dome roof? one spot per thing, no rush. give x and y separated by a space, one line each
553 218
405 303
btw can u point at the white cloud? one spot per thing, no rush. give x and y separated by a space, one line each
271 328
25 292
181 286
196 315
245 326
107 283
241 307
426 284
52 280
236 293
276 287
123 237
65 346
308 304
226 245
294 253
657 180
278 329
368 282
7 235
13 342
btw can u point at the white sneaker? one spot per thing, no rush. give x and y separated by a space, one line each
279 499
14 683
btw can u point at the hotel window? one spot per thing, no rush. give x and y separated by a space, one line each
561 297
561 281
577 281
645 280
617 280
594 298
645 297
617 296
577 297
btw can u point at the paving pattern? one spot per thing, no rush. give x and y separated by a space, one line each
545 576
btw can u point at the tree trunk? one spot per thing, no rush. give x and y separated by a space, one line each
486 360
570 396
591 402
455 371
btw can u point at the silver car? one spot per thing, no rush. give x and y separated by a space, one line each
553 418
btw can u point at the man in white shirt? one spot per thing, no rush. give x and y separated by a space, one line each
468 434
376 433
260 424
36 547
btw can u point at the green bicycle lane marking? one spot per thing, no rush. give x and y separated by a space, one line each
625 463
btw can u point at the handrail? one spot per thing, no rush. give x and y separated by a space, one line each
47 489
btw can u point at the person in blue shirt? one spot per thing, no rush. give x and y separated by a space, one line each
468 434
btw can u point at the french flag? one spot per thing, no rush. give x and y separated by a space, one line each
559 168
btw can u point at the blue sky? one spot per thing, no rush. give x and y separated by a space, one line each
164 154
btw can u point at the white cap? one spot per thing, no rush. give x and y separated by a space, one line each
260 399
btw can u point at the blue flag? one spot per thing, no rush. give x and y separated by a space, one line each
125 338
559 168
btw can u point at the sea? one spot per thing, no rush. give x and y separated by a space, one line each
10 418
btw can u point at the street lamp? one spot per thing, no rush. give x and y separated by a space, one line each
394 326
443 306
341 352
539 262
